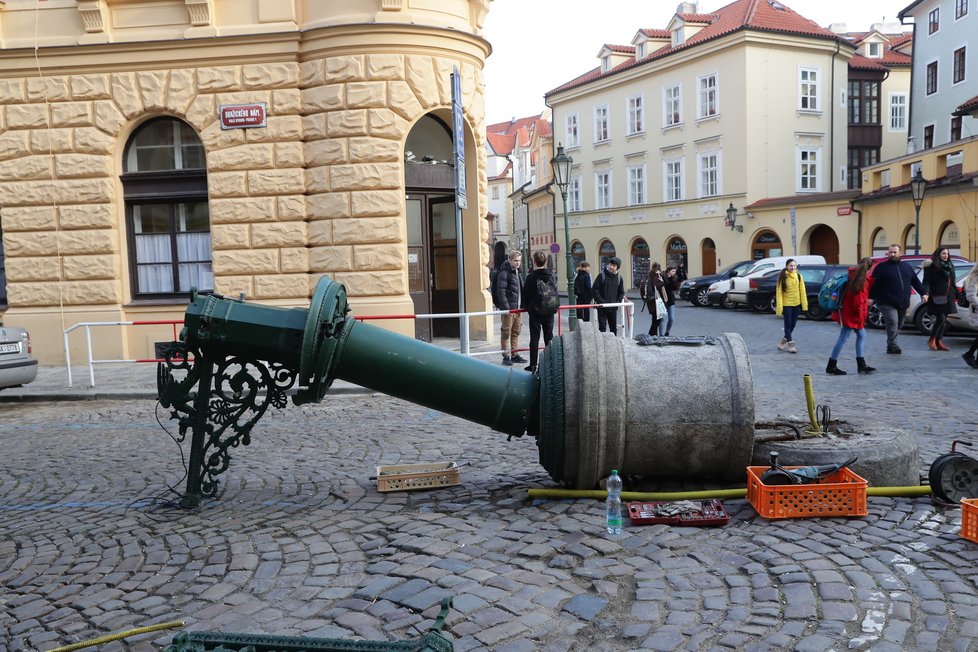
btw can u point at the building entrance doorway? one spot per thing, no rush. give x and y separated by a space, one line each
825 242
432 262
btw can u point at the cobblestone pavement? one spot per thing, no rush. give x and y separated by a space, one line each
301 543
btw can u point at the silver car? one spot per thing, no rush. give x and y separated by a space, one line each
17 365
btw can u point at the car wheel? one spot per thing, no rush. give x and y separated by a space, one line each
700 297
773 304
924 321
816 312
875 318
727 303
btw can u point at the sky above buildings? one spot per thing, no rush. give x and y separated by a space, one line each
540 44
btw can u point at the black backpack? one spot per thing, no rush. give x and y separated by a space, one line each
547 301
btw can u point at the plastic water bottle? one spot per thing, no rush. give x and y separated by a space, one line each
613 503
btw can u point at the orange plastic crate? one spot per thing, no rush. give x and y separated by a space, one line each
969 519
842 493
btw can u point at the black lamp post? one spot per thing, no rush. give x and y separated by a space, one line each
561 164
732 219
918 185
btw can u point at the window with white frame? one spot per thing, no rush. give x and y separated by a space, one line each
601 132
572 134
602 189
574 193
934 21
808 161
673 179
960 8
898 112
706 104
958 65
640 50
930 83
636 185
874 50
636 114
672 105
709 174
808 89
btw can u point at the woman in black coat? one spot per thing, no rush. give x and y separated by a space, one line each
942 294
582 290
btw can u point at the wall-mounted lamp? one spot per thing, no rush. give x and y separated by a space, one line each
731 220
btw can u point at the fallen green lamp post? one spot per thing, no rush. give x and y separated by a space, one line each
592 407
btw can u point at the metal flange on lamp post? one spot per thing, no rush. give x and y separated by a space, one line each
588 407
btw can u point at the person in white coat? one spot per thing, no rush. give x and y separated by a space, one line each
971 291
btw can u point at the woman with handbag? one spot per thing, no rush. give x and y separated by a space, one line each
672 284
942 294
971 292
654 295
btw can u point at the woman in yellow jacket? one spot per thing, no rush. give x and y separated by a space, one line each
790 301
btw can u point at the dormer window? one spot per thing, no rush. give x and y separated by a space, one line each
874 50
605 64
640 51
677 37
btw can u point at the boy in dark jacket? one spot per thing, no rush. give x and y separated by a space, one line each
609 288
507 297
890 291
538 321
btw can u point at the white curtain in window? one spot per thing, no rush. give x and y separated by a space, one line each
154 249
194 247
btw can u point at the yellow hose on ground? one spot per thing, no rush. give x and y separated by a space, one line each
92 642
810 400
916 490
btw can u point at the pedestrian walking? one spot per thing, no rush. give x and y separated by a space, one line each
540 300
672 285
971 292
582 289
654 296
509 287
609 288
791 300
852 313
890 291
943 294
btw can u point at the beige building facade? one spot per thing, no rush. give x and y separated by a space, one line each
119 188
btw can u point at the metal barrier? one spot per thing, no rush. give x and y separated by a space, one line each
626 308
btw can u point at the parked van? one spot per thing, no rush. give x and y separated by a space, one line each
736 291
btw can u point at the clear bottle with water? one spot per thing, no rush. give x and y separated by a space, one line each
613 504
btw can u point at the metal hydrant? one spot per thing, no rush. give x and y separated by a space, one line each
682 409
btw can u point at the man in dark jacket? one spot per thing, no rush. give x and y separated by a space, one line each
538 321
509 286
609 288
890 291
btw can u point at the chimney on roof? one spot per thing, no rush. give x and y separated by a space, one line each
839 28
687 8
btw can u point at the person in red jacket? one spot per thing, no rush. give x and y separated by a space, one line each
852 317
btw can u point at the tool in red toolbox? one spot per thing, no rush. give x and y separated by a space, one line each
690 513
954 476
778 475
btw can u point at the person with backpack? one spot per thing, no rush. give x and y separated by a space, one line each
506 296
791 299
582 290
609 288
853 308
541 301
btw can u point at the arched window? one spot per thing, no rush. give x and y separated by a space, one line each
606 251
168 221
880 243
578 253
640 262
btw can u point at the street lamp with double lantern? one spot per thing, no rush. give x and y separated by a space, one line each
561 164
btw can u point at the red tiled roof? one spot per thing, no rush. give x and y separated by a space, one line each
952 178
696 18
656 33
971 106
759 15
898 42
543 128
623 49
860 62
788 200
511 126
502 144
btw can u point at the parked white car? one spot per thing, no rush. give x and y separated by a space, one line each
739 285
17 366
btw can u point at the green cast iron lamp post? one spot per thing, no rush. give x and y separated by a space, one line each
917 187
561 164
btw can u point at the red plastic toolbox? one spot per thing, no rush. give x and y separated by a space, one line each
711 513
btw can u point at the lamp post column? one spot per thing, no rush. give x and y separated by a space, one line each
916 231
571 297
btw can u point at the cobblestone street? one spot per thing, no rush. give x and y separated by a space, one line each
301 543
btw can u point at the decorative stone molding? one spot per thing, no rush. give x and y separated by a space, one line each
93 13
477 12
201 12
391 5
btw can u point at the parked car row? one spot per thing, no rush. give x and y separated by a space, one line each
753 283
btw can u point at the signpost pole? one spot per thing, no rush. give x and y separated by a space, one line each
458 136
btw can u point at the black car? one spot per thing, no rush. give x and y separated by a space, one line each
762 292
695 289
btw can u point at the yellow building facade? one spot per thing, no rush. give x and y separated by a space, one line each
132 165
